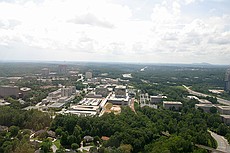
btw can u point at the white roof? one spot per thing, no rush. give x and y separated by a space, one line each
172 102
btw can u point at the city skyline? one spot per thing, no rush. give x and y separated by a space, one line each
170 31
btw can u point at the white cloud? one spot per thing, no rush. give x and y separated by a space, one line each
102 29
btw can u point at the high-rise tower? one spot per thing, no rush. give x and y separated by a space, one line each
227 80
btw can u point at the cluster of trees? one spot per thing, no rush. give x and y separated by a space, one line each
142 132
31 119
15 141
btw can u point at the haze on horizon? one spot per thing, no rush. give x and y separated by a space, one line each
141 31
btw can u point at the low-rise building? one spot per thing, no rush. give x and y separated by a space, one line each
225 110
102 90
3 102
204 101
120 91
24 91
205 107
225 119
173 105
87 107
155 99
9 91
93 95
119 100
193 97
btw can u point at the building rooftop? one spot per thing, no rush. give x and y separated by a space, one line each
205 105
172 102
112 97
56 105
120 87
204 101
25 89
224 107
225 116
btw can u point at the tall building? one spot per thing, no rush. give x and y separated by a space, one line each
88 75
120 91
45 72
102 90
9 91
227 80
62 69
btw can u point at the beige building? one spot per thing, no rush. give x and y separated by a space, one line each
173 105
9 91
225 110
225 119
204 107
88 75
155 99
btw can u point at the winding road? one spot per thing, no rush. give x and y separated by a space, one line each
222 143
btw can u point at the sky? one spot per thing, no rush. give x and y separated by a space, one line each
137 31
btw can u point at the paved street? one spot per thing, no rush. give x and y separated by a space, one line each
222 143
132 105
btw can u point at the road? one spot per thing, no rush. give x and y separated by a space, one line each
222 143
132 105
54 148
220 100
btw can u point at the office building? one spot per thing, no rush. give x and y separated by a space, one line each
120 91
225 110
225 119
120 96
172 105
102 90
9 91
62 69
205 107
45 72
24 91
227 81
155 99
88 75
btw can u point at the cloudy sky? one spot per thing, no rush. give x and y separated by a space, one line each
154 31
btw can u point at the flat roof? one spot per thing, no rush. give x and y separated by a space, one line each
120 87
204 101
158 96
84 107
224 107
25 89
80 112
172 102
205 105
90 101
225 116
56 105
112 97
